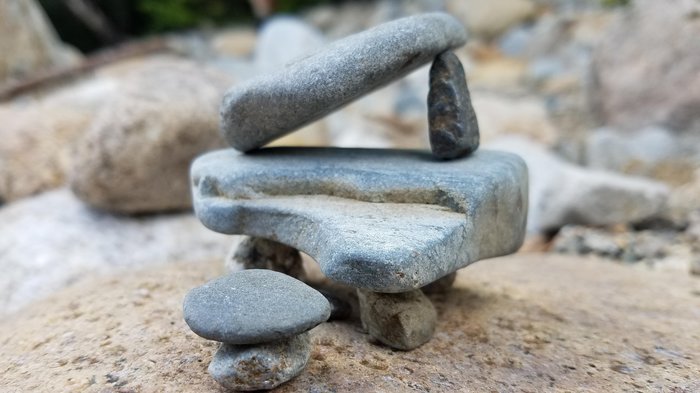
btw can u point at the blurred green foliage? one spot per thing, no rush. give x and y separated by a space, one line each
615 3
135 18
165 15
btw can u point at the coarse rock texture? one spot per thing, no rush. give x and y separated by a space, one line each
400 320
382 220
488 19
259 253
51 240
522 323
562 193
254 306
452 123
262 366
136 155
265 108
38 135
623 62
28 42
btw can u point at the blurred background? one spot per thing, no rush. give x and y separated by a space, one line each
104 103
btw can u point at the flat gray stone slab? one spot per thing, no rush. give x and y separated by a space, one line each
266 108
254 306
382 220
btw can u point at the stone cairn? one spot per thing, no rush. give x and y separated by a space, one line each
385 222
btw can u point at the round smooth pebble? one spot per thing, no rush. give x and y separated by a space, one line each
254 306
264 366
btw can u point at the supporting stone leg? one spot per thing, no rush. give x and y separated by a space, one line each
441 285
259 253
400 320
260 366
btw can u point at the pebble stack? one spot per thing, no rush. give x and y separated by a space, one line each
262 319
392 224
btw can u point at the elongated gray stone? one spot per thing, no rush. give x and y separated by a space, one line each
254 306
453 128
266 108
263 366
382 220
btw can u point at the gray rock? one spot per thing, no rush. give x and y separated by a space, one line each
400 320
259 253
254 306
264 366
562 193
50 241
454 130
441 285
266 108
383 220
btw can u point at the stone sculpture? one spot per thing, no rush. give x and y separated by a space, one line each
386 222
262 319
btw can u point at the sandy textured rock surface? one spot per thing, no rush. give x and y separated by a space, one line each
523 323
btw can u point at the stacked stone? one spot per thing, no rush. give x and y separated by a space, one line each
386 222
262 319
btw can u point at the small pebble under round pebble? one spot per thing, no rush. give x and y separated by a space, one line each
263 366
254 306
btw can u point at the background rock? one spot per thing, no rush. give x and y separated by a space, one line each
28 42
562 193
490 18
526 116
642 78
652 152
136 154
49 241
283 39
38 136
126 332
235 42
